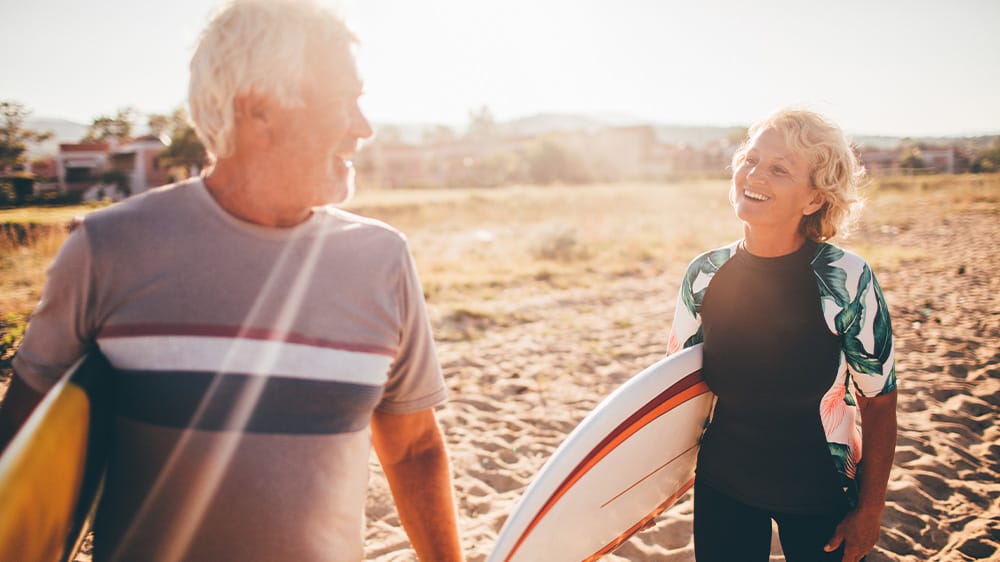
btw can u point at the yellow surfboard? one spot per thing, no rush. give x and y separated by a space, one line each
52 472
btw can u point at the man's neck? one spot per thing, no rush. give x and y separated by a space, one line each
253 197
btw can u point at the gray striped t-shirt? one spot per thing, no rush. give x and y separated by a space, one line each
249 361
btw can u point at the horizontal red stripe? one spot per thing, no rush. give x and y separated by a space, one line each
674 389
242 332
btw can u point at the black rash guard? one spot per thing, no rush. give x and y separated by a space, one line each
769 356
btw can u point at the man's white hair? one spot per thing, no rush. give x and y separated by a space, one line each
259 46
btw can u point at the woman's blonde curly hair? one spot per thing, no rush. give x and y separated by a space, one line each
834 168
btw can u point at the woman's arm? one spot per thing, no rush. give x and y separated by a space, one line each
860 529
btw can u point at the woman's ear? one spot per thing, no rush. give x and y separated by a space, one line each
815 203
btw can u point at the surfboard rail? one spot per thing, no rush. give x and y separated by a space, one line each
603 436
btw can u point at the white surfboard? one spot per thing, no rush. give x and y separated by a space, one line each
631 458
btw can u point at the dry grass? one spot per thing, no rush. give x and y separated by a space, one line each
476 241
477 248
47 215
22 274
896 205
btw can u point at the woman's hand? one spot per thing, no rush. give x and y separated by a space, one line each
858 532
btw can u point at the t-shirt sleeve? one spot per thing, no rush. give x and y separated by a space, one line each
415 379
62 327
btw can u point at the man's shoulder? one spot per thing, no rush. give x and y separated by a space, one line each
154 202
361 226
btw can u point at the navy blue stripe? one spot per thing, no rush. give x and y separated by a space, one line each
94 376
285 405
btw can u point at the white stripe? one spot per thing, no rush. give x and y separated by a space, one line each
246 356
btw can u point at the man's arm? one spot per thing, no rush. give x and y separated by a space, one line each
17 405
412 452
860 528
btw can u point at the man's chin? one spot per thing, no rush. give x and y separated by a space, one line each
341 189
344 193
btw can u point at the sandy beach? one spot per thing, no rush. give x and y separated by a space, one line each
517 388
544 300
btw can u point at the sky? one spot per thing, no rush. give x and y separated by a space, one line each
887 67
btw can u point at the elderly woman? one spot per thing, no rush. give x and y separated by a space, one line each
798 351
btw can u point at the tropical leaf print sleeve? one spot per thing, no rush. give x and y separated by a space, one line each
686 328
856 311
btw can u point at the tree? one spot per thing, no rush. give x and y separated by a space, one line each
159 124
185 150
118 127
912 161
166 125
548 162
987 160
482 124
117 178
14 138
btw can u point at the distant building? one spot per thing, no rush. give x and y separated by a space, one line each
140 160
605 154
936 160
79 166
44 169
943 160
881 162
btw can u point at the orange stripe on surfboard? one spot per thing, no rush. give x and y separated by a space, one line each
687 388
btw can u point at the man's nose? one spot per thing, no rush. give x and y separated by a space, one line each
360 127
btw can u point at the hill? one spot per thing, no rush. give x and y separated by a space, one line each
63 130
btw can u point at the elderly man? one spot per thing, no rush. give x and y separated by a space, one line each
262 340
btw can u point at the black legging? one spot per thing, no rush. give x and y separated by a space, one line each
726 529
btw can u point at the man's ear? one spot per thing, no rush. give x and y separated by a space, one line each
254 115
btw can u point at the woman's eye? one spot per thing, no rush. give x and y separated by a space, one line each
779 170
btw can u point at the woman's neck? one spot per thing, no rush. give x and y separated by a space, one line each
767 244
